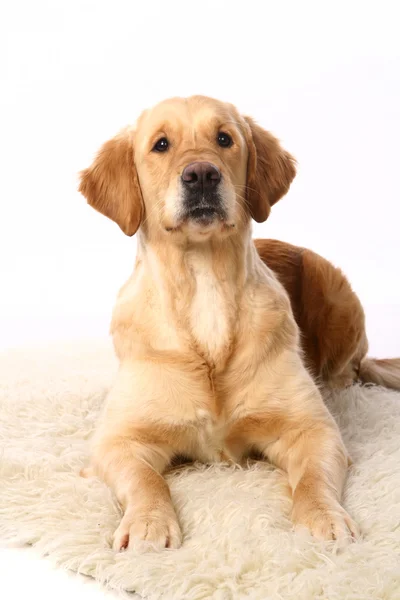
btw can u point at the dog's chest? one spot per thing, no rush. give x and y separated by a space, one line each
210 312
209 438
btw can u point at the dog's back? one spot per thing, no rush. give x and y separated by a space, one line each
327 311
330 317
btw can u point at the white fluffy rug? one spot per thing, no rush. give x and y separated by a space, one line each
238 540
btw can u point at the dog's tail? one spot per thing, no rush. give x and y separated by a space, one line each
382 371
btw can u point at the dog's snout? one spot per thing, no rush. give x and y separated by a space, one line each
201 175
202 200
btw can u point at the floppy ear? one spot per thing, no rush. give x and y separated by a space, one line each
270 171
111 183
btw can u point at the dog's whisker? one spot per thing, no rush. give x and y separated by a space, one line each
154 208
247 187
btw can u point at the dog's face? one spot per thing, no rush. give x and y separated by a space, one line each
193 167
191 158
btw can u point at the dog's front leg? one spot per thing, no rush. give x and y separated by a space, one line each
133 469
141 429
289 424
315 459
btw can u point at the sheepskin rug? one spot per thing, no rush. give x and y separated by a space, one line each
238 540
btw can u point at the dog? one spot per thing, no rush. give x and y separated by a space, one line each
211 363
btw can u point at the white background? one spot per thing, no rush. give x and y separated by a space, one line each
323 76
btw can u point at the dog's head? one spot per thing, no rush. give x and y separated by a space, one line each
191 166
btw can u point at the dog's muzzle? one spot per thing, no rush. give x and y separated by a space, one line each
202 200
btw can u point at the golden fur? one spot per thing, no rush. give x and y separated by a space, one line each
330 317
209 349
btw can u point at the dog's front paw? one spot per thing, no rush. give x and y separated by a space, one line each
152 530
327 522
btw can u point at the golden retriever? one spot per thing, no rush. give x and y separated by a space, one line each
211 365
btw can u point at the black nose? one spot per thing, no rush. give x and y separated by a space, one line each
201 175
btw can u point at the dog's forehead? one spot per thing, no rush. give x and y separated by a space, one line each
195 112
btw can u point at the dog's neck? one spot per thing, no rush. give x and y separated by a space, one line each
177 264
201 284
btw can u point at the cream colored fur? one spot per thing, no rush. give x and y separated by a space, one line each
237 534
384 371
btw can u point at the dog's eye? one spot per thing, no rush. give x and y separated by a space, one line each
161 145
224 140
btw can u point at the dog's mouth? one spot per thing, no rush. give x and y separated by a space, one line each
204 215
203 219
201 213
